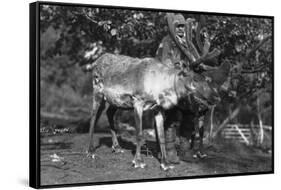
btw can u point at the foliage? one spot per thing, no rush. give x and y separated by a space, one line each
74 36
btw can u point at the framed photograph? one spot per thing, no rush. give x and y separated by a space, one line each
122 95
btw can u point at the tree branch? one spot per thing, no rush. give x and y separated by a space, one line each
136 41
250 52
89 17
257 69
230 117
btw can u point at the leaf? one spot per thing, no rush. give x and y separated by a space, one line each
100 23
113 32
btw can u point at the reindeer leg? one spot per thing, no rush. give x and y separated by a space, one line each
192 137
138 112
161 137
195 131
98 107
199 153
110 115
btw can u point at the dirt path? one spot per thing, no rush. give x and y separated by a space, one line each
64 161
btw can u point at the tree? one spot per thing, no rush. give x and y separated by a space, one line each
74 36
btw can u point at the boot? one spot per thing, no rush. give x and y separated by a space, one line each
185 151
170 138
187 137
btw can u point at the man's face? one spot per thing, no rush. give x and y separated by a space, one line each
180 30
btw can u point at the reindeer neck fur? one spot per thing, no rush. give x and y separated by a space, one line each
160 84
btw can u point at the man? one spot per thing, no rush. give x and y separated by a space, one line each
170 52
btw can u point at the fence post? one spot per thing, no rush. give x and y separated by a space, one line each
261 134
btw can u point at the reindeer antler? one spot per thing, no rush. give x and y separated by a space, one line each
188 31
198 30
204 49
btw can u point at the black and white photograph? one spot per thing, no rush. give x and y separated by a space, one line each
139 94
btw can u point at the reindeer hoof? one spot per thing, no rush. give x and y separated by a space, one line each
91 155
138 164
117 149
167 167
202 155
199 155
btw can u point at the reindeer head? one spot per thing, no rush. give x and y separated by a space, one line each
196 86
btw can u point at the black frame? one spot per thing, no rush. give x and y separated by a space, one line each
34 98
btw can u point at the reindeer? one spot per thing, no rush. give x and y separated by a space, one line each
147 84
143 84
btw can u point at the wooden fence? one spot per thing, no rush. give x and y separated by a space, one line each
243 133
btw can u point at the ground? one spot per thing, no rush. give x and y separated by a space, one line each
64 161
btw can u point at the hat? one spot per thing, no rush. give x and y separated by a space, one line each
178 20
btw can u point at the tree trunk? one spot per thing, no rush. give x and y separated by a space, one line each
230 117
261 134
